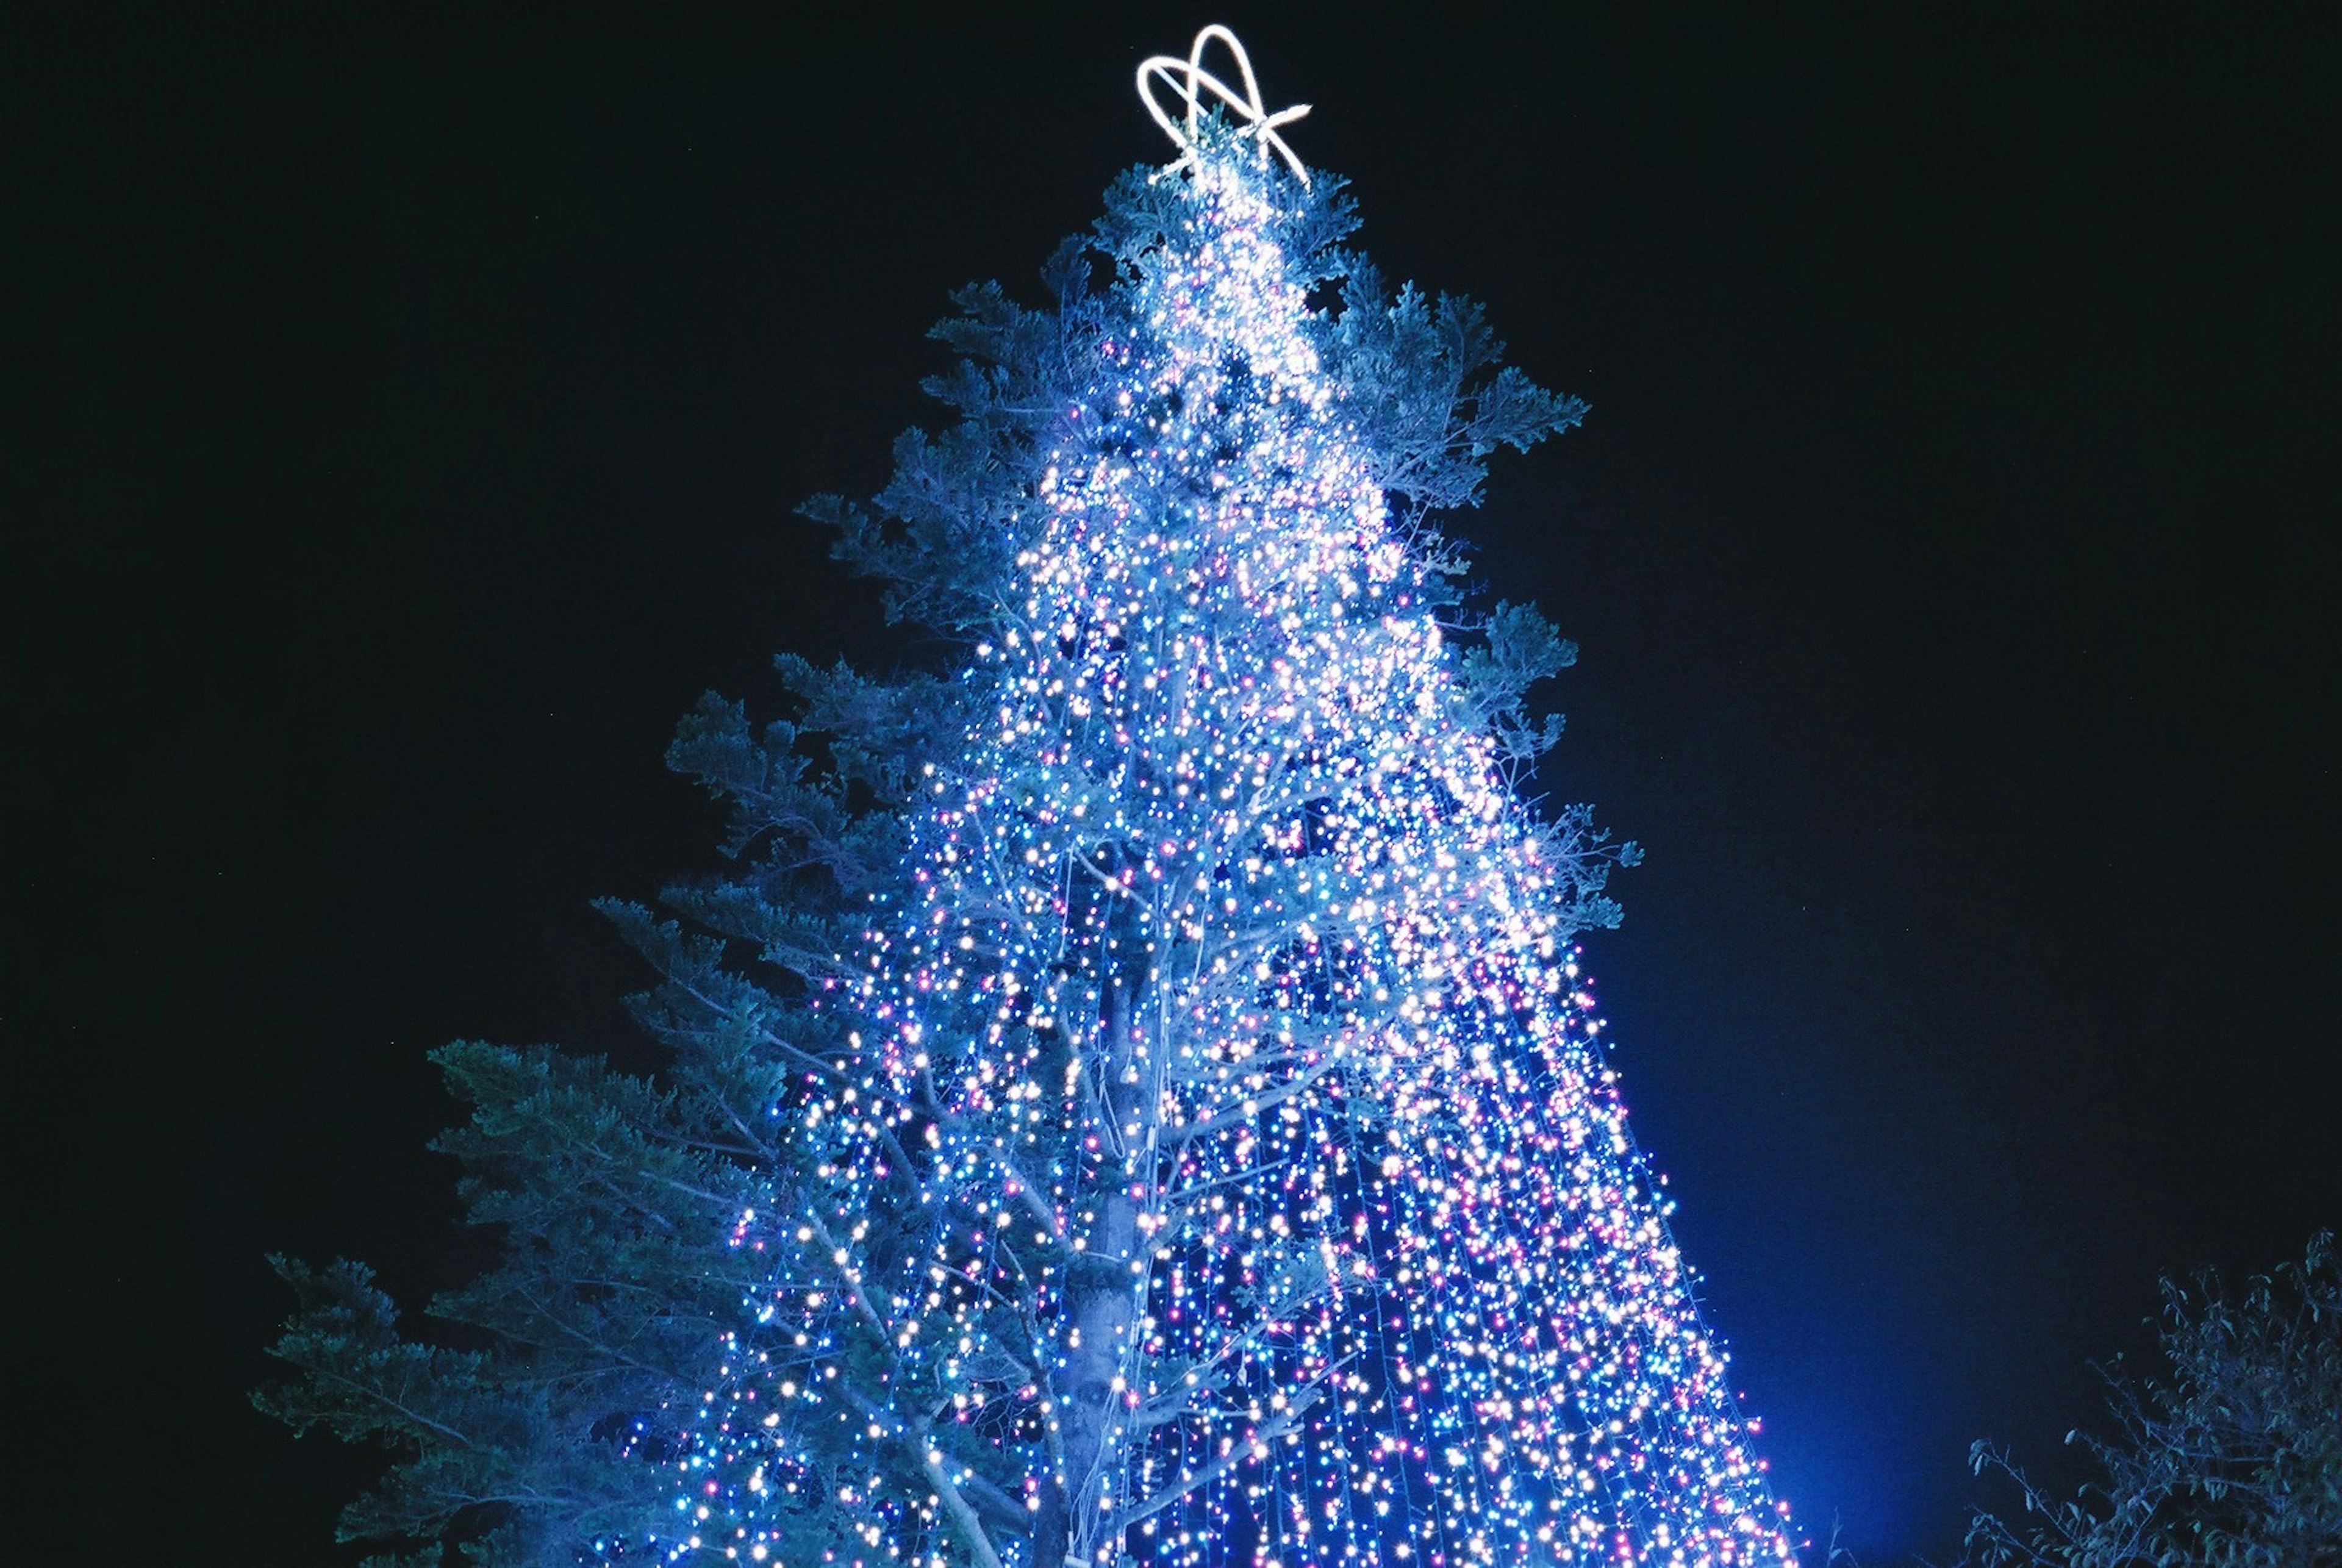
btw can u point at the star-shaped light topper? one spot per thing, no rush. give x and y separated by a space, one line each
1189 80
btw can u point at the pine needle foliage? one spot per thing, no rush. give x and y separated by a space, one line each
1131 1094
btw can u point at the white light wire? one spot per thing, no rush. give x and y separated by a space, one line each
1189 80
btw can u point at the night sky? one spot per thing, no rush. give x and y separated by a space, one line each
400 423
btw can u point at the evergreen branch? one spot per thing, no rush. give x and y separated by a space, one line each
1252 1107
1285 1423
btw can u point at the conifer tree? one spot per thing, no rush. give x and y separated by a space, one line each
1136 1095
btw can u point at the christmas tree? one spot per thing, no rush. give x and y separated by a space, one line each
1137 1095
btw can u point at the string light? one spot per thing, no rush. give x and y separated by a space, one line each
1228 1169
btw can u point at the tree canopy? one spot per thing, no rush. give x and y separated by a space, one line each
2232 1459
1132 1093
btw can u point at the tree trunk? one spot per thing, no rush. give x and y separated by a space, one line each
1102 1292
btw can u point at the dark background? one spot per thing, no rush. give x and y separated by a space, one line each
402 419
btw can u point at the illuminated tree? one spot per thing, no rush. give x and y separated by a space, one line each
1159 1113
2235 1462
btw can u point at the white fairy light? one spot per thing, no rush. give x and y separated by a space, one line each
1271 1200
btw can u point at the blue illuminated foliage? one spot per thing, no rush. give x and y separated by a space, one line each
2232 1459
1134 1096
